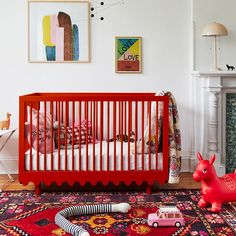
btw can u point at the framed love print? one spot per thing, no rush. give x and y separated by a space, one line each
128 55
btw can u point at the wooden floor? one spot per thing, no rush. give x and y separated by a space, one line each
186 182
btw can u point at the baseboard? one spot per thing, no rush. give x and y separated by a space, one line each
11 164
186 163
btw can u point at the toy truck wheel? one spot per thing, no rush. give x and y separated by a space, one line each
155 224
177 224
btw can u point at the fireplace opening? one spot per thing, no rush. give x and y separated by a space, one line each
230 132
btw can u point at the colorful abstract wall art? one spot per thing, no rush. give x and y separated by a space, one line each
128 55
59 31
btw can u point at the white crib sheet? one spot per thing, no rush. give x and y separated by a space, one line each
81 164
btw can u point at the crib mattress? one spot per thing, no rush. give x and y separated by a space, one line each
93 161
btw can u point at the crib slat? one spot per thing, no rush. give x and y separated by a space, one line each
150 135
125 117
129 130
86 139
90 113
51 133
89 121
96 118
62 112
58 133
157 140
31 143
56 113
136 136
101 133
131 117
73 136
90 129
66 134
37 168
121 133
108 133
45 130
67 113
94 113
114 132
119 111
143 135
79 118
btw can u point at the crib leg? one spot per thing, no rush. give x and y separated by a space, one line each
38 189
149 189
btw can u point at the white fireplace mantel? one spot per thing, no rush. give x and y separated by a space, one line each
209 98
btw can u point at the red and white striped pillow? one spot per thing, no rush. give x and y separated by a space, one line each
78 135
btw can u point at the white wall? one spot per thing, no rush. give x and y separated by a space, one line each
165 26
208 11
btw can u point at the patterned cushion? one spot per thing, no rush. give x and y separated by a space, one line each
80 134
39 133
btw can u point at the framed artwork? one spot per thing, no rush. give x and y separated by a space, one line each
128 55
59 31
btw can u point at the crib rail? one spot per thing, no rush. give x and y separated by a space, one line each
92 137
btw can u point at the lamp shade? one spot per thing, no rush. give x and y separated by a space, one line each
214 29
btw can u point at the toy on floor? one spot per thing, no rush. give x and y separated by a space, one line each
73 229
5 124
215 190
166 216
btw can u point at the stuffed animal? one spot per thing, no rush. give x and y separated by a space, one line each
124 137
215 190
5 124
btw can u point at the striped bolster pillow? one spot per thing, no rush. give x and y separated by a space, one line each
77 230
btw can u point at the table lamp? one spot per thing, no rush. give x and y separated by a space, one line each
214 30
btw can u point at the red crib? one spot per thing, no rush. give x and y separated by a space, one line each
93 137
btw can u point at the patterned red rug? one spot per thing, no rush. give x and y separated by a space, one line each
24 213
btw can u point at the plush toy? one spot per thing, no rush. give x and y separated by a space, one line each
5 124
73 229
215 190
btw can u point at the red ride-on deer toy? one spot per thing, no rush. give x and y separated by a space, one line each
215 190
